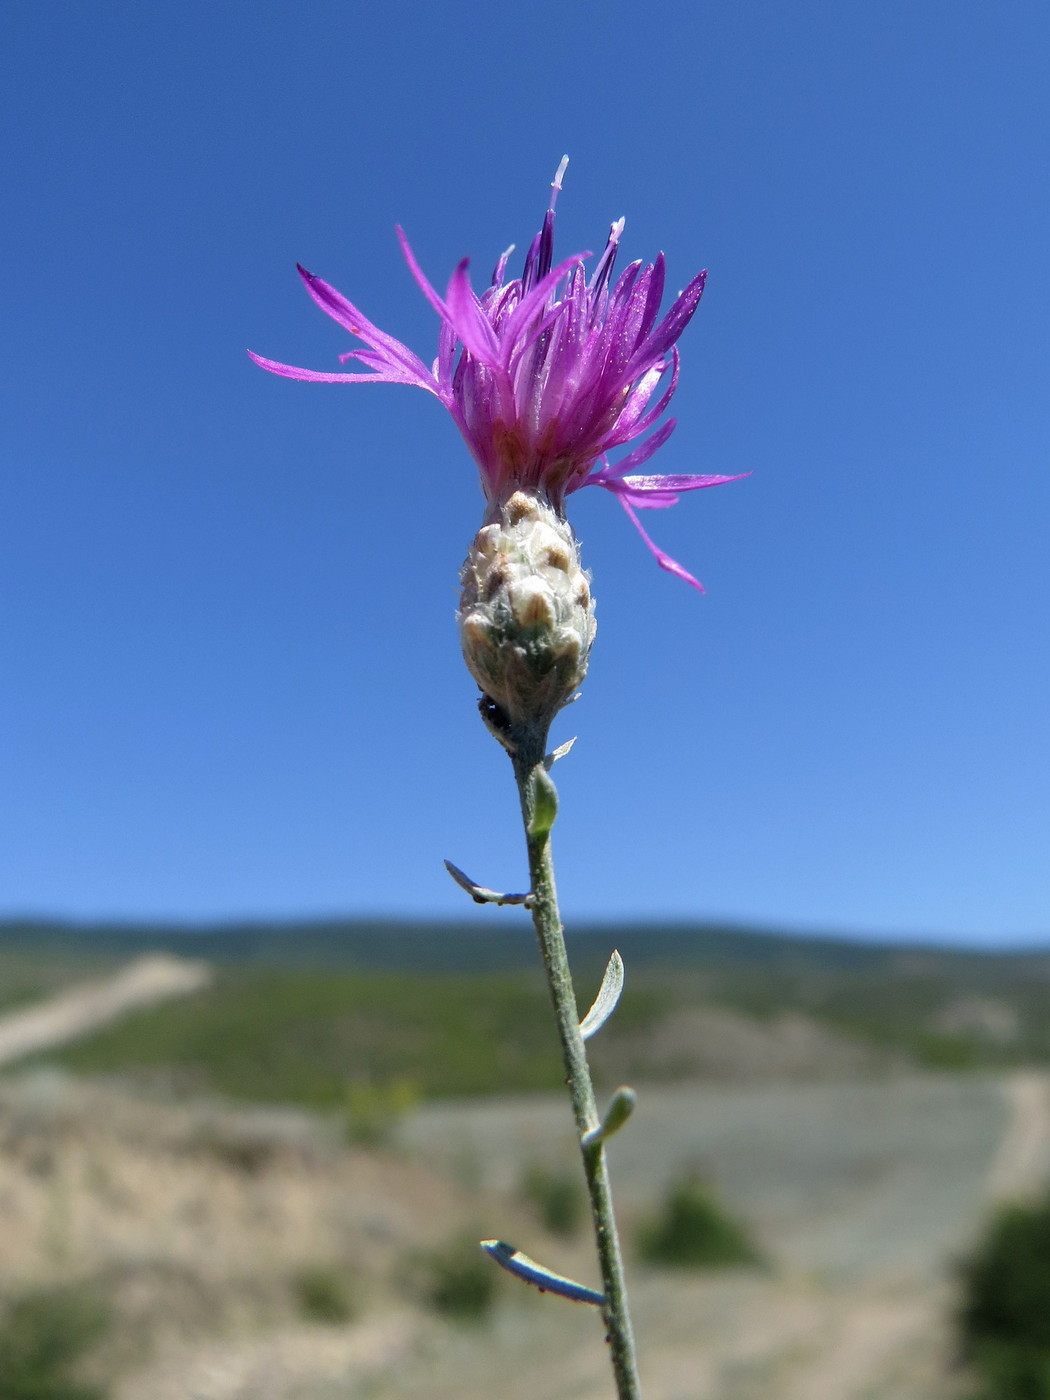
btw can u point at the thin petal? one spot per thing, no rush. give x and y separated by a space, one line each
394 373
635 419
536 297
469 320
445 357
334 304
654 295
603 268
642 500
644 423
645 450
501 267
664 560
671 327
677 483
656 498
533 334
420 276
315 376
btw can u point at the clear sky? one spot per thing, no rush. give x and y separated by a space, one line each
231 676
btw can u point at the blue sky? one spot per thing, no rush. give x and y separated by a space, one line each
232 684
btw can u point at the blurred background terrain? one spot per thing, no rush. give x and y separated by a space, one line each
255 1161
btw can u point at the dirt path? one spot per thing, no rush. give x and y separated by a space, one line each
90 1005
323 1360
899 1329
1021 1165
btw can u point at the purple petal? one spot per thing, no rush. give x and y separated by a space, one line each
671 327
334 304
528 272
644 450
501 267
643 500
537 296
542 324
646 500
645 422
664 560
654 296
394 373
676 483
545 252
656 492
314 376
466 315
655 498
604 267
420 276
635 420
446 356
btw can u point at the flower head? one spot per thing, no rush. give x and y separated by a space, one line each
546 374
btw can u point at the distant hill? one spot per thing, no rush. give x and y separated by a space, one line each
506 943
298 1010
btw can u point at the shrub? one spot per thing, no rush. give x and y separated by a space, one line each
1004 1316
323 1295
42 1336
557 1196
692 1231
373 1111
459 1281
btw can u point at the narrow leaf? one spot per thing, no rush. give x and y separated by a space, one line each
521 1266
621 1106
481 894
605 1001
557 753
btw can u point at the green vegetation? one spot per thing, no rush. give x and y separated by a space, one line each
1004 1319
43 1336
692 1231
459 1281
302 1036
558 1199
373 1111
333 1016
323 1295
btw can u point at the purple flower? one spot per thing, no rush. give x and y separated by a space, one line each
545 374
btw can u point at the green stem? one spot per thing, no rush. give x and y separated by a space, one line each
545 916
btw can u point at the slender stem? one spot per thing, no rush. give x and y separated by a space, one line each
547 921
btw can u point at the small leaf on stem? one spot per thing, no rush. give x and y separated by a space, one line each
480 894
521 1266
557 753
544 802
621 1106
608 996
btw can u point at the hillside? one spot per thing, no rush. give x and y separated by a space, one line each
299 1012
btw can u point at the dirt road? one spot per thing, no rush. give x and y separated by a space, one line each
893 1335
866 1194
86 1007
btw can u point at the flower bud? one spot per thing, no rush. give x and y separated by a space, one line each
526 618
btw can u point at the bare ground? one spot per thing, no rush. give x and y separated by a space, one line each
196 1220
